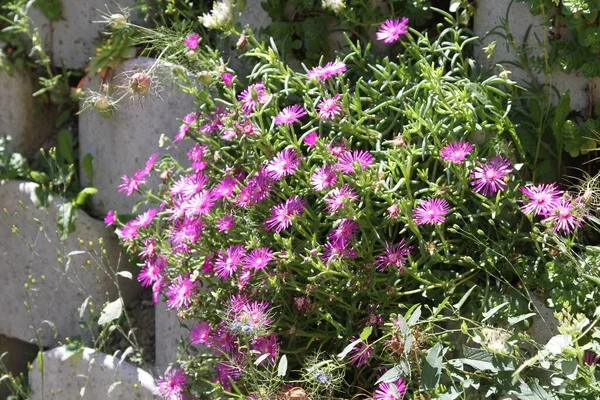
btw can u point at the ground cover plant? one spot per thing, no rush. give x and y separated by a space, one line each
365 228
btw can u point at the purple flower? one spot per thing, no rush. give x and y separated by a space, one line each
128 231
543 199
456 152
171 386
390 390
282 214
284 163
229 260
335 251
267 345
258 258
225 188
144 219
431 211
565 217
311 138
290 114
328 70
253 96
191 41
393 255
490 177
344 232
225 223
199 204
149 249
359 355
184 233
324 176
330 108
349 161
337 197
227 370
590 358
180 291
227 78
200 333
130 185
110 218
152 271
391 30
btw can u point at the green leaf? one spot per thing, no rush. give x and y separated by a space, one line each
83 196
454 5
65 145
569 368
111 312
282 367
348 349
392 375
480 359
40 177
560 116
516 320
464 298
489 314
65 219
432 367
88 168
364 335
414 317
52 9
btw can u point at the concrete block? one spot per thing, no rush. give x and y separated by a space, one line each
168 331
23 117
121 144
89 375
544 325
16 356
254 15
56 288
71 40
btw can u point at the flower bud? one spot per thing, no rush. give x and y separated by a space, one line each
140 83
102 103
118 21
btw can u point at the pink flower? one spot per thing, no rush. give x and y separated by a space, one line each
490 177
171 386
225 188
349 161
267 345
199 204
543 199
196 156
282 214
337 149
336 251
290 114
253 96
191 41
149 249
337 197
157 287
328 70
128 231
344 232
330 108
258 258
110 218
391 30
152 271
225 223
311 138
431 211
145 219
456 152
393 256
184 233
180 291
227 79
149 165
324 176
229 260
390 390
565 216
359 355
130 185
200 333
284 163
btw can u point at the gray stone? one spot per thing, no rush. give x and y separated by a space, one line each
254 15
41 290
168 331
71 40
23 117
88 375
15 357
120 144
544 325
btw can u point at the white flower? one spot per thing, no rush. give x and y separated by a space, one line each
221 15
335 5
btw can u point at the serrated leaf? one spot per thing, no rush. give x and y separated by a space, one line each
489 314
111 312
282 366
432 367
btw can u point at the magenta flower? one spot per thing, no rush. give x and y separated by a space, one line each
456 152
282 214
543 199
267 345
344 232
284 163
157 287
431 211
225 223
230 260
330 109
335 251
391 30
199 204
328 70
149 249
153 270
130 185
227 370
311 138
110 218
390 390
184 233
590 358
359 355
290 114
200 333
128 231
145 219
191 41
171 386
227 79
324 176
149 164
252 319
196 156
258 258
395 255
565 217
490 177
350 161
180 291
338 197
255 95
337 149
225 188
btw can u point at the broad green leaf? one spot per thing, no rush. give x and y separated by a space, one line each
64 145
414 317
364 335
489 314
83 196
392 375
517 319
65 219
432 367
111 312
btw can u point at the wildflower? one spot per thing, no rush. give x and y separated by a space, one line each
192 40
200 333
359 355
157 287
393 255
431 211
328 70
253 318
117 21
543 199
565 216
180 291
282 214
393 210
184 233
290 114
590 358
227 79
171 386
128 231
225 187
490 177
145 219
456 152
390 390
149 249
199 204
225 223
330 108
344 232
391 30
267 345
311 138
337 197
284 163
188 120
337 250
258 258
220 16
337 149
130 185
189 185
152 271
334 5
253 96
110 218
227 370
196 156
229 260
349 161
140 83
324 176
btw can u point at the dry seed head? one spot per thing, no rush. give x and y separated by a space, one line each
140 83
